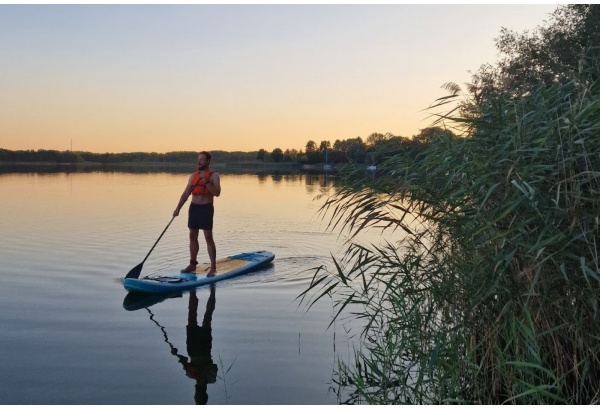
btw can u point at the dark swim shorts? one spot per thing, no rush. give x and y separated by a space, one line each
201 216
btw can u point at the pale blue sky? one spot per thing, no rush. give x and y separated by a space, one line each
234 77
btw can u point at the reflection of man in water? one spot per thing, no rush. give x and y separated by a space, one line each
200 365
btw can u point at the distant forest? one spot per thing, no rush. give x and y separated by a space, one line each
354 150
65 157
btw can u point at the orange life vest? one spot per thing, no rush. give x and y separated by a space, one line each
201 188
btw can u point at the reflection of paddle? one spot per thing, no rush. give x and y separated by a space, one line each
135 272
162 329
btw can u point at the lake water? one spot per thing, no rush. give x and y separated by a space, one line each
68 238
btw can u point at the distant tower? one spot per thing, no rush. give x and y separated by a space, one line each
71 144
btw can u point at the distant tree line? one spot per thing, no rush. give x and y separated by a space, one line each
355 150
119 158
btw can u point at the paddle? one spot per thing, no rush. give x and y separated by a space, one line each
136 271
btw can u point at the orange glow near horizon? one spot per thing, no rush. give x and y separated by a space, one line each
162 78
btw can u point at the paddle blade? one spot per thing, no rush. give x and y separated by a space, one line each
135 272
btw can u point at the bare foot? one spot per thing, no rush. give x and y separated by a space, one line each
211 273
191 268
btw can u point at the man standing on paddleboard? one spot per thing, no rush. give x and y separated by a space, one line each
204 185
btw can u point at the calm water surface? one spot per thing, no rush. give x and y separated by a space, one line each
67 240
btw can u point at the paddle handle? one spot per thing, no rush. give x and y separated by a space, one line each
161 235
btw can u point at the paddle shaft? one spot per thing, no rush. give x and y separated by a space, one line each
135 272
161 235
167 227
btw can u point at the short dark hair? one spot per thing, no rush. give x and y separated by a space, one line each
205 154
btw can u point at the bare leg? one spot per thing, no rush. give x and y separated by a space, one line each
212 252
194 247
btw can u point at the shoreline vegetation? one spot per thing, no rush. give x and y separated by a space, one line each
492 295
170 167
256 167
151 164
314 157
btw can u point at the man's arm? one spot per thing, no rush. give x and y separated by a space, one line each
184 196
214 184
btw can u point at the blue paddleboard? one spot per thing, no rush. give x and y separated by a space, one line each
229 267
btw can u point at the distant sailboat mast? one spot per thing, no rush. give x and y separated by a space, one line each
327 166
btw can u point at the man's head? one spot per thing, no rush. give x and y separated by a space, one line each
203 160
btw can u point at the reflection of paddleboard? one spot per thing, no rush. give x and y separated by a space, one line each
226 268
141 300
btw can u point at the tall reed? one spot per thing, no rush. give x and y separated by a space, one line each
491 294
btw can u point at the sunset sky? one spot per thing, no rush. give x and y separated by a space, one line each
159 78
